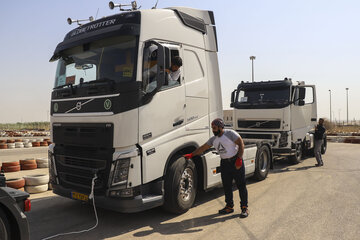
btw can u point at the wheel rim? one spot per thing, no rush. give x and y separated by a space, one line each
263 161
186 184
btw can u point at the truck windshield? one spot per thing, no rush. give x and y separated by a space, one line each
111 59
259 97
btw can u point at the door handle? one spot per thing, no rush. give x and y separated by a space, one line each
178 123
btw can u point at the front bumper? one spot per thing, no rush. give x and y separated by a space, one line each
124 205
284 151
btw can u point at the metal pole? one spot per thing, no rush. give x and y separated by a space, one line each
330 104
252 58
347 106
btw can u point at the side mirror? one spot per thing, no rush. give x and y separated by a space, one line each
302 93
232 98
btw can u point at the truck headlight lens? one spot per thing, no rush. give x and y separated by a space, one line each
121 171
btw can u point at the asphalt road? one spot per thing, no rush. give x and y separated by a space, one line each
295 202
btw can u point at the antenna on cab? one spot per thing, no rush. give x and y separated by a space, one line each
154 7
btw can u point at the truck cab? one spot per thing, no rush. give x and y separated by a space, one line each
281 112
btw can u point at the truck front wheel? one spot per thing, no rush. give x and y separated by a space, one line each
297 157
262 163
180 186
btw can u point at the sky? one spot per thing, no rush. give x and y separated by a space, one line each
316 41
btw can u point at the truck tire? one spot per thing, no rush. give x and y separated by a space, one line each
34 180
262 163
15 183
10 164
5 229
297 158
11 168
180 186
324 146
37 189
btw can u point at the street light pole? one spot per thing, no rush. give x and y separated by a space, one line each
330 104
347 105
252 58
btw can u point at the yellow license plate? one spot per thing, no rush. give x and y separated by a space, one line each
79 196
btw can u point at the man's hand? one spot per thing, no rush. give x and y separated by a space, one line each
188 156
238 163
167 70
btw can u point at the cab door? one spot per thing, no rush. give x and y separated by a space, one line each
303 111
162 114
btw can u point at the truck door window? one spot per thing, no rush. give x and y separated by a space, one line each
309 95
150 68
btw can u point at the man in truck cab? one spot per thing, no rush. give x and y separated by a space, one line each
319 135
174 71
230 146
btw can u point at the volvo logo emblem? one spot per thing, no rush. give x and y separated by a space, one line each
78 106
107 104
258 124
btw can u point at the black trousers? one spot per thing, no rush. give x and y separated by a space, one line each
228 174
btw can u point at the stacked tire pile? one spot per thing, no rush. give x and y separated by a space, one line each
42 162
28 164
36 183
3 144
24 143
11 166
27 143
10 144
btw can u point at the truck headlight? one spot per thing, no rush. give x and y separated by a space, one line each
121 171
128 192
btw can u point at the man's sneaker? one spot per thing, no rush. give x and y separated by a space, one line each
244 212
226 210
318 165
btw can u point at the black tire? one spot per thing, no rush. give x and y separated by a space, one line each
262 163
324 146
297 158
5 230
180 186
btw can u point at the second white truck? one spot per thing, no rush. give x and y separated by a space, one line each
282 113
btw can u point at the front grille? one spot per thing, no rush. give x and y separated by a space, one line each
81 162
259 124
80 151
256 136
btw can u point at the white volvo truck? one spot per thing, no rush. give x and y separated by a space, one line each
282 113
114 113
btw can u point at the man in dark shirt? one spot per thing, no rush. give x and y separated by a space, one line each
319 135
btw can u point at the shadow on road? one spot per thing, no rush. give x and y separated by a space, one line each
53 215
184 226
